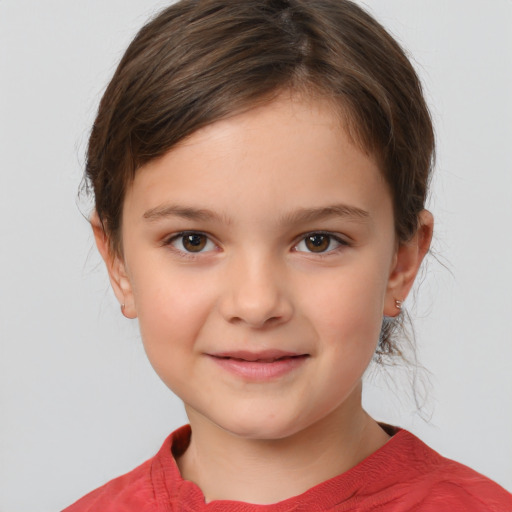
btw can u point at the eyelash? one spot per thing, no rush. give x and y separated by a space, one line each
341 243
181 236
169 242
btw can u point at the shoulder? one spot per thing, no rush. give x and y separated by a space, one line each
142 489
461 489
457 487
433 482
129 492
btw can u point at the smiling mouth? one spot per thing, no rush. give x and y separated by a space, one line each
267 356
260 360
260 366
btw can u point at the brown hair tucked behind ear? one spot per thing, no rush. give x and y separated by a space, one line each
201 60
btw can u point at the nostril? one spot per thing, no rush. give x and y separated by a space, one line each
256 322
258 300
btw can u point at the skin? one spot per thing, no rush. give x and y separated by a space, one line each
268 177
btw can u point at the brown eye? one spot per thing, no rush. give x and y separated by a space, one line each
194 242
191 242
317 242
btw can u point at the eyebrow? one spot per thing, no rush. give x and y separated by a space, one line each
305 215
184 212
300 216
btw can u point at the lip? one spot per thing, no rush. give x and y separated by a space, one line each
259 366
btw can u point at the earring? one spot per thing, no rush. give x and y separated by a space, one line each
122 310
398 304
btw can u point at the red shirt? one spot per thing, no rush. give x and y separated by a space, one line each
403 475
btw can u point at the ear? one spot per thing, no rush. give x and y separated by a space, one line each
406 264
116 268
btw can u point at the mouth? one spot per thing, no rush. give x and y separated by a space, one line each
264 356
259 366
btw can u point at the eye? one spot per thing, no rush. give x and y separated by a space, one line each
319 243
192 242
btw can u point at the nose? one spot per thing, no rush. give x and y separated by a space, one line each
255 293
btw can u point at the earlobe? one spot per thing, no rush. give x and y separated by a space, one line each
116 268
406 264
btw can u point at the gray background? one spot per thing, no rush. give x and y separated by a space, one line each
80 404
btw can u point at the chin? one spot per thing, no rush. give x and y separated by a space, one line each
266 432
264 426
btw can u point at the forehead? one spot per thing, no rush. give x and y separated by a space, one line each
273 158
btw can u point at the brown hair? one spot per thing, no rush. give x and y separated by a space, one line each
202 60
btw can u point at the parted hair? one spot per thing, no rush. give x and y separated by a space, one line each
199 61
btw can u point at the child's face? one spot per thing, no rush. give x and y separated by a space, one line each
289 252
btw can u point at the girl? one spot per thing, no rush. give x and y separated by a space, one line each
260 171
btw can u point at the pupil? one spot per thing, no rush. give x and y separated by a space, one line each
194 243
317 243
194 239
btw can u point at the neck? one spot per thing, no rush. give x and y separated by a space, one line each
227 467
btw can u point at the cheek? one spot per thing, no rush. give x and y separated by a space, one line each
172 309
347 307
361 293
